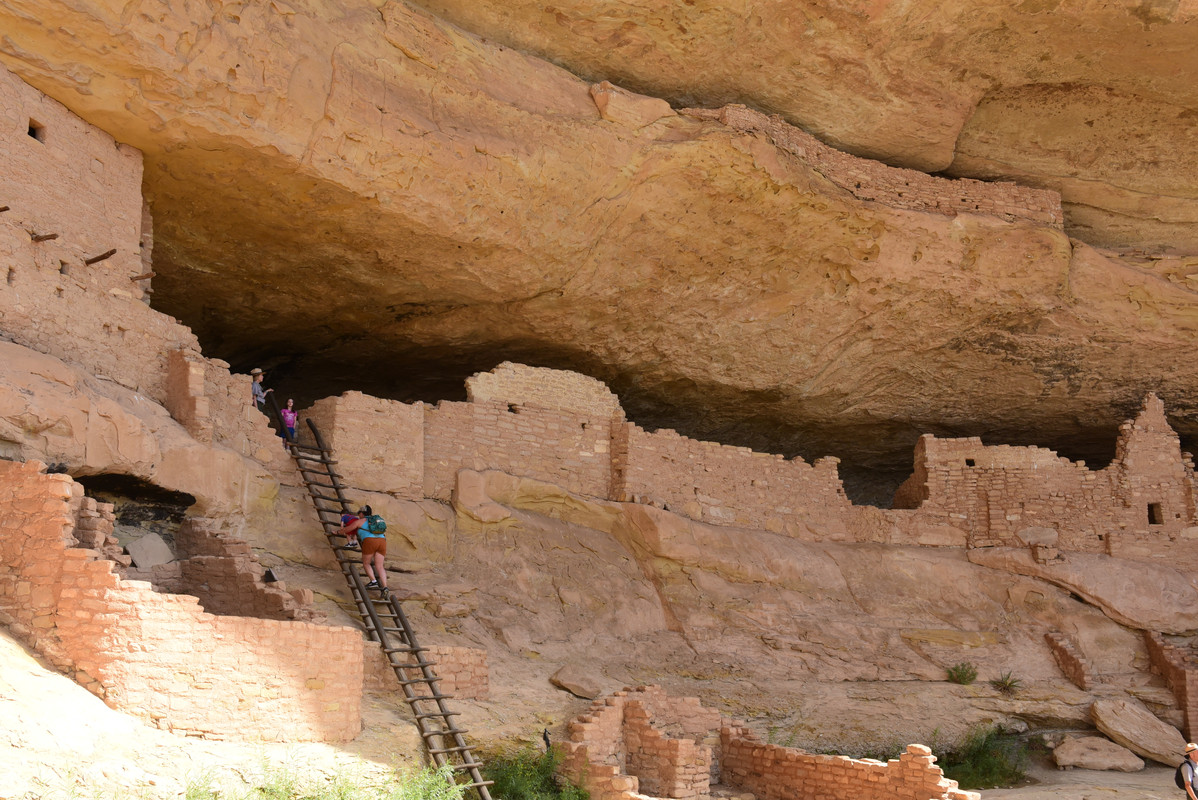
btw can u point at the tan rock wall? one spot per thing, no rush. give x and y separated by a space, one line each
158 656
379 444
872 180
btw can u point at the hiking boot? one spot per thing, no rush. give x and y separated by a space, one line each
351 546
385 593
372 585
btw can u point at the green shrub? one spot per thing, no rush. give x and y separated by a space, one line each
987 759
963 673
528 775
1007 683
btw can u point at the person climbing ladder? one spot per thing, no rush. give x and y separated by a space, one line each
371 531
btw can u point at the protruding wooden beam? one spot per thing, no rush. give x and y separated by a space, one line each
99 258
3 209
145 276
43 237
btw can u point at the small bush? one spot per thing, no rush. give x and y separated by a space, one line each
1007 683
963 673
987 759
528 775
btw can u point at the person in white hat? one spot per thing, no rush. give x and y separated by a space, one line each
257 393
1189 770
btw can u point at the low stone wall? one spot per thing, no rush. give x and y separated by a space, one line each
781 773
160 656
1069 658
641 741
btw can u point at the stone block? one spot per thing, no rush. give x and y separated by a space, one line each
149 551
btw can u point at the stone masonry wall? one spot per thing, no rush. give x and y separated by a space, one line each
561 447
157 656
726 485
1069 658
641 741
780 773
899 188
379 444
538 387
1177 667
462 671
1138 506
66 179
69 181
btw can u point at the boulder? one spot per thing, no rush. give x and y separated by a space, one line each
1094 752
1040 537
578 681
1129 722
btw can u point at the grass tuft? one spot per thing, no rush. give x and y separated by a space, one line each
963 673
987 759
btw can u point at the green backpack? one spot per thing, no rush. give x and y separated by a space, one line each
376 524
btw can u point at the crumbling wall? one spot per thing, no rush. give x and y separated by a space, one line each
1177 666
874 181
157 656
1069 658
772 772
725 485
641 741
1137 506
539 387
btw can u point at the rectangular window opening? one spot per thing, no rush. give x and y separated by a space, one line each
64 268
1156 515
37 130
969 462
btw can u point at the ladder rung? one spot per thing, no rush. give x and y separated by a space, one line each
431 697
461 749
417 665
298 456
439 714
405 649
476 784
311 448
471 765
316 496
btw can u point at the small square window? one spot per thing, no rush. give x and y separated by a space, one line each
1156 515
969 462
37 130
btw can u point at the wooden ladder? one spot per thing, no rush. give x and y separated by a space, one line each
386 623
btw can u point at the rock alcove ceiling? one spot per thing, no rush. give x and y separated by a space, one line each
384 196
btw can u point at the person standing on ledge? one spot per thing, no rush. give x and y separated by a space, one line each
257 393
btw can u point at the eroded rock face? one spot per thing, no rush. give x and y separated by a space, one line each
368 197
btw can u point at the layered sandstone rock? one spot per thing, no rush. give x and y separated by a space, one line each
395 213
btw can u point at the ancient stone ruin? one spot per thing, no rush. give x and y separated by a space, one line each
148 509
